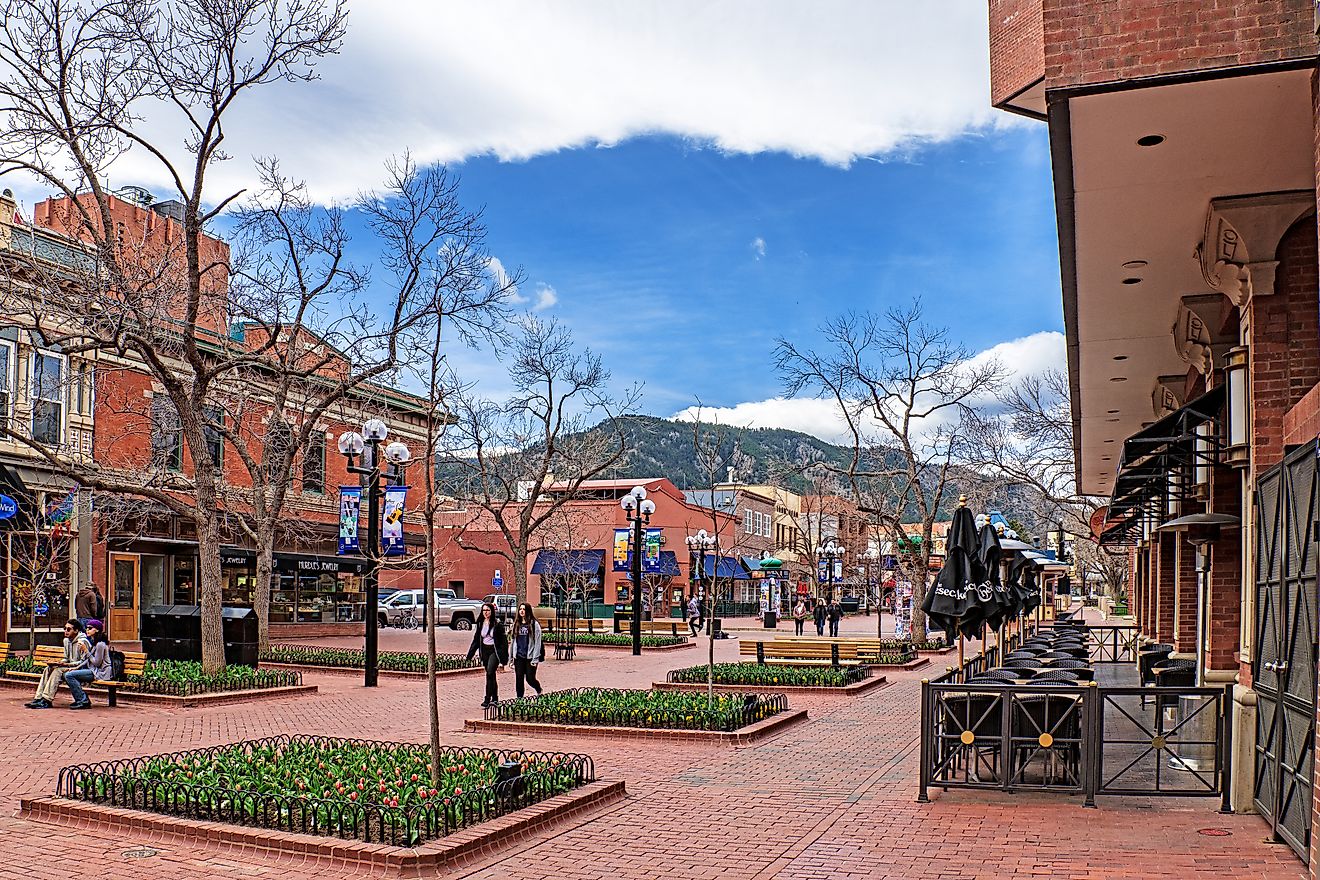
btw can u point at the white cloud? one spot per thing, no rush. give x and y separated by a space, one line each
758 247
545 297
1029 355
834 82
500 277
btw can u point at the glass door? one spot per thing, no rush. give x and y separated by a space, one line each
125 587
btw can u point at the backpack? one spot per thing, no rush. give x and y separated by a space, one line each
116 665
100 605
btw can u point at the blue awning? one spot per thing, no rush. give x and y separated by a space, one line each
569 562
668 564
752 564
727 567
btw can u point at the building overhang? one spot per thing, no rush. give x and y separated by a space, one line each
1137 168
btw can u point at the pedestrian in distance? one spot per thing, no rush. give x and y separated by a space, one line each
694 614
835 614
818 615
491 644
76 647
95 665
528 651
799 615
88 604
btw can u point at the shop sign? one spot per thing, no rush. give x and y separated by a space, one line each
8 507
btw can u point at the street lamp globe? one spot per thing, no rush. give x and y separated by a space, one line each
648 507
375 429
351 443
628 503
639 492
397 453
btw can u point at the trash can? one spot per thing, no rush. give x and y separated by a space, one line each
1193 749
771 619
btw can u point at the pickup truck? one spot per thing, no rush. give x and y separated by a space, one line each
506 606
449 611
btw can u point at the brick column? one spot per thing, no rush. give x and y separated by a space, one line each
1184 604
1166 584
1225 578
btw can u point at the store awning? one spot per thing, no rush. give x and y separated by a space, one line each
573 561
725 567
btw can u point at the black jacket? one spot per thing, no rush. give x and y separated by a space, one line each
819 613
501 643
835 612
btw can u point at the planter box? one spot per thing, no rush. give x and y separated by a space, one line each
126 695
771 726
851 690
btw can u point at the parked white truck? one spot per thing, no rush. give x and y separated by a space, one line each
450 611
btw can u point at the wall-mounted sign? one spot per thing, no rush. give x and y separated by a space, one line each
8 507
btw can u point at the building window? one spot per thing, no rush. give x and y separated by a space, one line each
747 522
6 380
313 468
47 398
215 441
166 434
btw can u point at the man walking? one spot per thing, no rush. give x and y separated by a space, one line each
835 614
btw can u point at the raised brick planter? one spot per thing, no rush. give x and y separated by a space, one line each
645 650
191 702
741 737
851 690
357 670
463 847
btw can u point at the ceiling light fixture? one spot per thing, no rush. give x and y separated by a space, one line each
1120 357
1131 280
1150 140
1119 379
1135 264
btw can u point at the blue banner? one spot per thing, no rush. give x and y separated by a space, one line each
350 514
391 529
623 550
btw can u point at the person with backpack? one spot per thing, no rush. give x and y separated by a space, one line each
528 650
96 665
76 647
490 642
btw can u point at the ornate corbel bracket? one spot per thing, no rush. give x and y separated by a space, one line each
1239 249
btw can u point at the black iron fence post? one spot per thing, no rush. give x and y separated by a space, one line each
1006 768
927 733
1092 751
1226 754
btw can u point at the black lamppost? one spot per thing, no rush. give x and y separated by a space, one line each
702 543
351 445
638 511
830 551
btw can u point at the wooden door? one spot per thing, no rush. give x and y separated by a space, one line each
125 596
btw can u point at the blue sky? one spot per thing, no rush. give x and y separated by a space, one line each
682 264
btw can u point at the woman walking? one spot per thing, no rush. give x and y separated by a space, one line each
528 651
490 642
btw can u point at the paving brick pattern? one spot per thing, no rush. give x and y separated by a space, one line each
833 797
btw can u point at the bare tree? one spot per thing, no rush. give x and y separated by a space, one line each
903 389
556 431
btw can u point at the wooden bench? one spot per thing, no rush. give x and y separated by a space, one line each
581 624
870 650
669 627
135 663
4 651
801 654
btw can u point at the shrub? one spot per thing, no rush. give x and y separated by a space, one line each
345 788
355 658
620 639
784 676
669 710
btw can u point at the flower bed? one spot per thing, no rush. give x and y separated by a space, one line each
186 678
617 640
356 789
354 658
758 675
667 710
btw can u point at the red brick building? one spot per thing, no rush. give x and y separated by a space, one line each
143 555
1185 145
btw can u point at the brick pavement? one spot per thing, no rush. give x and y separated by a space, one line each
834 797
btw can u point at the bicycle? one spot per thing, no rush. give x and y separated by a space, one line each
406 620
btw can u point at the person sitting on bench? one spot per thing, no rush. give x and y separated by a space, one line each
76 647
95 666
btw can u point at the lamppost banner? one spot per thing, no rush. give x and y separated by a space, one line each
651 555
622 540
391 530
350 512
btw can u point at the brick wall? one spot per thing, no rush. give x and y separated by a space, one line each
1225 578
1284 344
1185 610
1017 47
1099 41
1166 558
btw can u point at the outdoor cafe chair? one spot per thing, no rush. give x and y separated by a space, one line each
1024 663
1022 654
1172 673
999 676
1058 655
1059 717
1055 675
1018 672
1147 657
959 713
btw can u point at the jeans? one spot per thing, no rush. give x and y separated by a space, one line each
695 624
490 659
524 670
834 629
820 627
74 678
797 626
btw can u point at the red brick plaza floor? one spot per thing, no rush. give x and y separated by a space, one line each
831 798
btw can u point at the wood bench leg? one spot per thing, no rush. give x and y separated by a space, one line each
113 700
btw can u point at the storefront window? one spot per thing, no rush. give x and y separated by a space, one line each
185 580
237 585
40 583
329 598
283 598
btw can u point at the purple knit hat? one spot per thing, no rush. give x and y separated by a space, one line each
96 623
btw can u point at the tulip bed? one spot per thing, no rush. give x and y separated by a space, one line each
372 791
759 675
354 658
668 710
617 639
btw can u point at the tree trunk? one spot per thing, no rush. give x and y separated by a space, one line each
432 697
209 585
519 563
919 583
262 589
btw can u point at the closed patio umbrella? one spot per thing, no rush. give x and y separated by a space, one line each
947 601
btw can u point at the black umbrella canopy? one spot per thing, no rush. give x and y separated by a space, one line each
947 601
